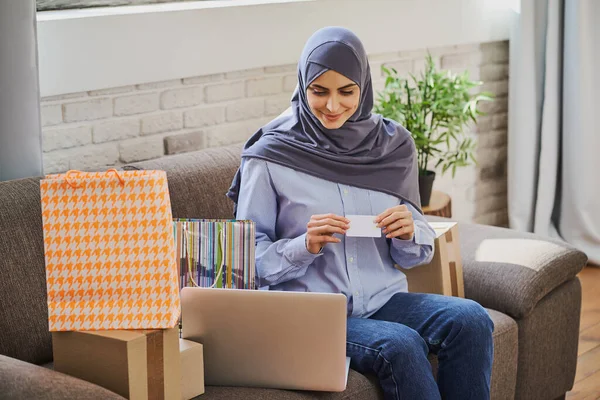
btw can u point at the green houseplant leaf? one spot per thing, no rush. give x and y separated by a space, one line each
436 107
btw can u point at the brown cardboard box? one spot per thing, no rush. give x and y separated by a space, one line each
192 369
137 364
444 274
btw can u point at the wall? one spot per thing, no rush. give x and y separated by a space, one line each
479 193
99 48
95 129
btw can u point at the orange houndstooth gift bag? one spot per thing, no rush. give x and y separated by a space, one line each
110 251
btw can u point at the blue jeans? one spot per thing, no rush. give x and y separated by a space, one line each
394 342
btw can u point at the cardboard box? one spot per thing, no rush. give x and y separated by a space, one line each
137 364
192 369
444 274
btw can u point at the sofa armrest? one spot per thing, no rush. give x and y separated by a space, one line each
22 380
510 271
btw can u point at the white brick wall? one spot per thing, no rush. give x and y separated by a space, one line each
163 122
245 109
117 90
141 149
205 116
289 83
185 142
225 91
264 86
223 135
136 104
196 80
87 110
178 98
275 105
65 138
117 129
114 126
51 114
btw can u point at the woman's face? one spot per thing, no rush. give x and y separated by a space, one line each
333 99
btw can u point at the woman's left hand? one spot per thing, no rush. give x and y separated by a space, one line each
398 222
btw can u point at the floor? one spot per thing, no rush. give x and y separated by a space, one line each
587 379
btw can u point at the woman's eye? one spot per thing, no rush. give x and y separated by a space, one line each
319 93
347 93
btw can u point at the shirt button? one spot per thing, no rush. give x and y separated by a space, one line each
356 293
345 191
351 259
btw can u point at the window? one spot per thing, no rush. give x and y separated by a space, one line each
48 5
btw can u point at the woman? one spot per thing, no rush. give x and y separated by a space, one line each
330 157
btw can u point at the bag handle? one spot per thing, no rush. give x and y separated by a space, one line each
75 186
221 247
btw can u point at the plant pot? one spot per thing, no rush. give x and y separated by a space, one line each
426 186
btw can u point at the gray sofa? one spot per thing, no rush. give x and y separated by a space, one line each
529 286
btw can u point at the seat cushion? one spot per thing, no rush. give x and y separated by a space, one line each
359 387
504 374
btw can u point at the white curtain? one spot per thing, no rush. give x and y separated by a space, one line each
554 126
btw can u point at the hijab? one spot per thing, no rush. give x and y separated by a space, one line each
367 151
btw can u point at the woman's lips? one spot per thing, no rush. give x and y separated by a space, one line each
332 118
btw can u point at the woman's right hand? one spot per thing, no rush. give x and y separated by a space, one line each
320 230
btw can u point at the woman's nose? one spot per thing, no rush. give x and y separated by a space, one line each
333 104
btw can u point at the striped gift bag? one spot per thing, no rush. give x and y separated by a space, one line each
215 253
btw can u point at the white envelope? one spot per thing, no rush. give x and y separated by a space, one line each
363 226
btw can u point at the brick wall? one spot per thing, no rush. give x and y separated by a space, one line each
97 129
479 193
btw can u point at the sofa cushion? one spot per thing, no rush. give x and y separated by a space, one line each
23 309
504 374
21 380
198 181
359 387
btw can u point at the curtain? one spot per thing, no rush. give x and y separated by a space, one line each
553 166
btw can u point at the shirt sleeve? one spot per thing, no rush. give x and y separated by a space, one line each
418 250
277 260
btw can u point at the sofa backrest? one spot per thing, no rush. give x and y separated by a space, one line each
23 304
198 181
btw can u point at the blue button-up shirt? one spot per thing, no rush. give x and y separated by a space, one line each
281 201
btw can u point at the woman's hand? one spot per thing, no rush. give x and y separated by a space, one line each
398 222
320 230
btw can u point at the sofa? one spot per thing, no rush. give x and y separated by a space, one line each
528 284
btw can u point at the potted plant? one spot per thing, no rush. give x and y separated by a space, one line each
435 107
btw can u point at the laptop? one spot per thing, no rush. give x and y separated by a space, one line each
268 339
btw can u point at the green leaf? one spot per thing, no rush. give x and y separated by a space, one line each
436 107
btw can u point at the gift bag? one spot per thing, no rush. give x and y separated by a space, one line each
215 253
109 250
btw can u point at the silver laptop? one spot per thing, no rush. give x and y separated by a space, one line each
268 339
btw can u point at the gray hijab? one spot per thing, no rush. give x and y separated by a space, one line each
368 151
